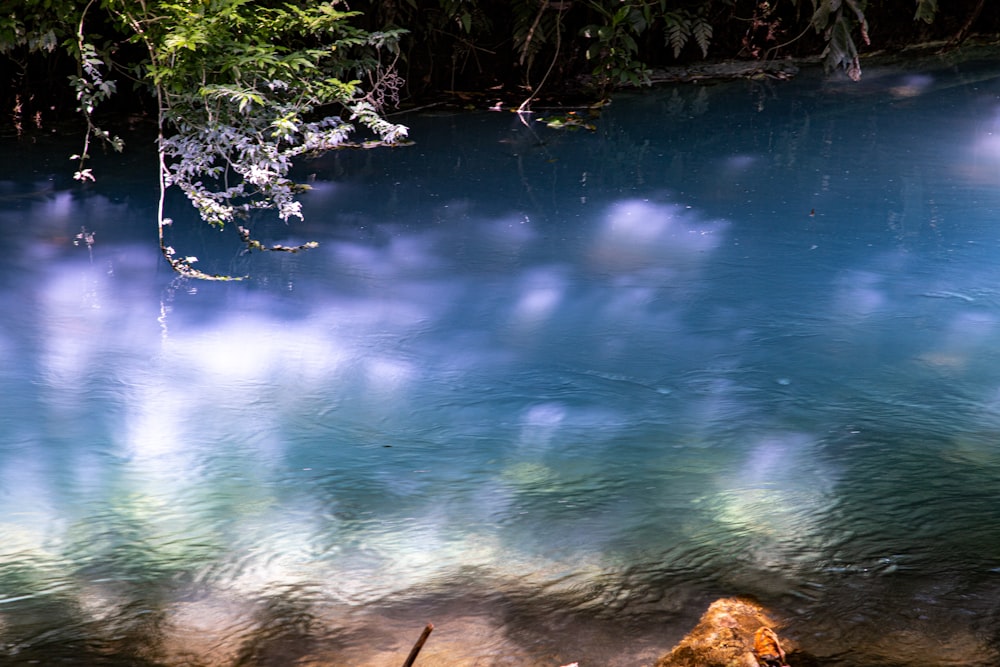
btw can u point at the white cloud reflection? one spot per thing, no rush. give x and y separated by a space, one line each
425 403
217 405
640 235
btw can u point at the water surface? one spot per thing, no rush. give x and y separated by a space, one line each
554 392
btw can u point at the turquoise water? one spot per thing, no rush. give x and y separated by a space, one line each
553 392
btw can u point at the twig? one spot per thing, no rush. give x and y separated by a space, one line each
421 108
531 32
963 32
774 49
419 645
526 104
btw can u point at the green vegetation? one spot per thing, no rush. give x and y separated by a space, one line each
239 89
597 45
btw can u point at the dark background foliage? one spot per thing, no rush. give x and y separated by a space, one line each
516 47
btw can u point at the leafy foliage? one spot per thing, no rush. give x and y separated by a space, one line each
682 26
91 89
614 48
617 35
243 88
239 83
833 18
926 10
38 26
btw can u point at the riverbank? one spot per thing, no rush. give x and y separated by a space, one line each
581 93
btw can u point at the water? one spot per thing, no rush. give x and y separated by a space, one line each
553 392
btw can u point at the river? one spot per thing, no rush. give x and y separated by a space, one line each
552 391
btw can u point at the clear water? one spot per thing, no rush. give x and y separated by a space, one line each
553 392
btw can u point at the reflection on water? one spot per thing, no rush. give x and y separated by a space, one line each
551 392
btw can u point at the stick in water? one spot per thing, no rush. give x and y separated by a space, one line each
419 645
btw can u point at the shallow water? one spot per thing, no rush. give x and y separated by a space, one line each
553 392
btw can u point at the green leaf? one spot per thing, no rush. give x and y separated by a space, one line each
678 31
821 17
629 43
926 11
702 32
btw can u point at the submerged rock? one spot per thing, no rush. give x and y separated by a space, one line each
733 632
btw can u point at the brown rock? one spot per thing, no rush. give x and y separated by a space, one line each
725 637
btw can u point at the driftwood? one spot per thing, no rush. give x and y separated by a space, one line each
733 632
